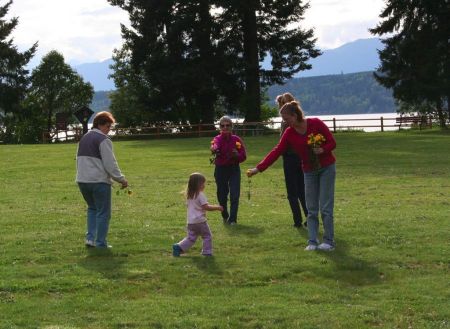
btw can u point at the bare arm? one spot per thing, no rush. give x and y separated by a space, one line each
210 207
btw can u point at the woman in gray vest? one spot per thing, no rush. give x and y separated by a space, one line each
96 170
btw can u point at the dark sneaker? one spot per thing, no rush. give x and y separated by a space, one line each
176 250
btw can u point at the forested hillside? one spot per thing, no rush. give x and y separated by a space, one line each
331 94
338 94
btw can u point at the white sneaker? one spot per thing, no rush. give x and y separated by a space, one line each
311 247
325 246
89 243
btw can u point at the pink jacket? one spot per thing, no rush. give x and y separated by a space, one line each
226 144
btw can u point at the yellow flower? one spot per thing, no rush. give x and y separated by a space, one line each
238 145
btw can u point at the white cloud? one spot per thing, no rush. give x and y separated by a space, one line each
88 30
336 22
82 30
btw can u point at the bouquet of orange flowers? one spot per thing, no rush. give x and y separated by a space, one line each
315 141
214 152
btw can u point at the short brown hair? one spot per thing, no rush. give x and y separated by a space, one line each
102 118
293 108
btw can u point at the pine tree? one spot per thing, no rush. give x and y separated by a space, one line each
416 60
13 74
255 29
170 48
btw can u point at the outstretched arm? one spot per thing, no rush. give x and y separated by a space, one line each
209 207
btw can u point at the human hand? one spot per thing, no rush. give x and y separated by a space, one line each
124 184
318 150
220 208
252 172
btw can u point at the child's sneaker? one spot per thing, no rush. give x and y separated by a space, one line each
311 247
325 246
176 250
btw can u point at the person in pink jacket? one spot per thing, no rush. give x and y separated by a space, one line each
313 142
229 152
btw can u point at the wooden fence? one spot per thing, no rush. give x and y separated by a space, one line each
241 128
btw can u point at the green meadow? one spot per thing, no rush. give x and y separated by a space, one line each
390 268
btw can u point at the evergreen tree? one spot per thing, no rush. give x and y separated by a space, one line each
13 76
255 29
193 54
56 87
171 51
416 60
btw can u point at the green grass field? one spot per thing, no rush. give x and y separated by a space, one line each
390 268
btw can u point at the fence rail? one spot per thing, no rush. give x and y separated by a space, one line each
381 123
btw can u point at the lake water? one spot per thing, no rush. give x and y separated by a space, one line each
366 122
361 122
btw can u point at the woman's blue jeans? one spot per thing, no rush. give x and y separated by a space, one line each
98 199
319 188
228 181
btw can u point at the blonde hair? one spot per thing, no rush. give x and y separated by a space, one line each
284 98
193 187
293 108
102 118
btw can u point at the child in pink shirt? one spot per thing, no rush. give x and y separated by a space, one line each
197 225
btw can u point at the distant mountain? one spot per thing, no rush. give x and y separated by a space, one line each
97 74
357 56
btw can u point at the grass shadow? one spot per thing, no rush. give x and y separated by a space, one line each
350 269
105 262
240 229
207 264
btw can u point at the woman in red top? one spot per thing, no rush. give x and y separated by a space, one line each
319 177
230 152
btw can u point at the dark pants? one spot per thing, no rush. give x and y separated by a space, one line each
295 186
228 181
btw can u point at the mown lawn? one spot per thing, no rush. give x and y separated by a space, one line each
390 268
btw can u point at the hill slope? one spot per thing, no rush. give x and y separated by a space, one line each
338 94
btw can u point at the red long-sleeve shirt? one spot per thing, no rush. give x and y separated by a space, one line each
226 143
298 143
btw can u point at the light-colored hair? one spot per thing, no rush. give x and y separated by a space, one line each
225 118
102 118
193 187
293 108
284 98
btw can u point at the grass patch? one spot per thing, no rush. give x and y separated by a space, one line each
390 268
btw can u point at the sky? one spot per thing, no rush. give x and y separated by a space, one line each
87 31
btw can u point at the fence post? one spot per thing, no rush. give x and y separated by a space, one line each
199 130
382 125
334 125
157 132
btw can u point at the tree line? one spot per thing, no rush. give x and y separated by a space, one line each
192 61
352 93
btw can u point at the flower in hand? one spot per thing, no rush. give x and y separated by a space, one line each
252 172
